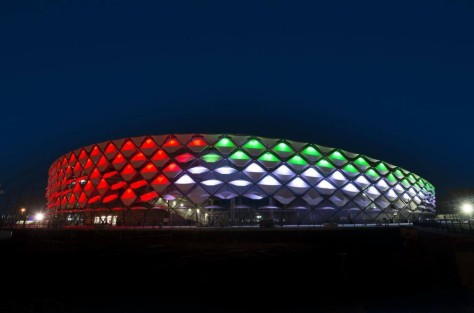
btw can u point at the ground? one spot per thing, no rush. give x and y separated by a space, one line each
237 270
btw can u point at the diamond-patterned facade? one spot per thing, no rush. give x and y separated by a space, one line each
226 171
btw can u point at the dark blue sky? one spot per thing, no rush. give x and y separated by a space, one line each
391 80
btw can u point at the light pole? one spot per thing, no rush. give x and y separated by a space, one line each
23 216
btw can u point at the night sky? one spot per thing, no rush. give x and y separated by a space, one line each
393 81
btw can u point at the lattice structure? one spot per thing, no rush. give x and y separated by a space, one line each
240 179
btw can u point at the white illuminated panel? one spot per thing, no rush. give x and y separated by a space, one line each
269 181
298 183
212 182
372 191
338 176
240 183
284 173
391 195
185 180
350 189
325 187
254 168
311 172
362 181
226 170
198 170
382 185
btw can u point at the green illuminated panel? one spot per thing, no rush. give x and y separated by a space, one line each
297 160
405 183
225 143
311 151
398 173
239 155
282 147
336 155
324 163
411 178
381 168
391 178
254 144
372 173
211 157
361 161
350 168
269 157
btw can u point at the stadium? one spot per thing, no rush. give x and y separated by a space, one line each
229 180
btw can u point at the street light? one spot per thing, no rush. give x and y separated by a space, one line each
39 216
467 208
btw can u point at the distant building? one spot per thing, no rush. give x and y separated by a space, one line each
202 179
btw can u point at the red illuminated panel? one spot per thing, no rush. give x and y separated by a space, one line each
72 199
103 164
138 159
110 174
89 188
77 189
64 183
95 176
68 171
149 171
110 198
128 172
72 159
83 157
77 169
128 197
94 199
172 170
149 196
64 163
119 161
171 144
197 142
88 166
148 146
95 153
185 157
110 151
160 183
118 185
102 187
159 158
63 202
138 184
128 148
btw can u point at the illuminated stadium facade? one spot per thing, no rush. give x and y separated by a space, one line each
202 179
